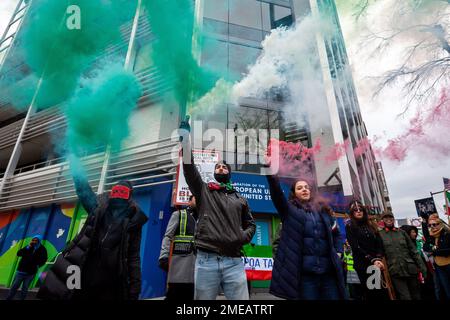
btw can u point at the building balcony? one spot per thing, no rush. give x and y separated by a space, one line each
51 182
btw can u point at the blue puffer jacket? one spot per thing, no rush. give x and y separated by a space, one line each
304 246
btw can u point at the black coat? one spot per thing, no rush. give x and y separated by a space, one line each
225 222
31 259
367 246
289 260
77 252
443 247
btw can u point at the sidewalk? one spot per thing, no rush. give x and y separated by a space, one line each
30 296
256 295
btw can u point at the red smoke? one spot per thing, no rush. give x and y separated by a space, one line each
427 132
337 151
294 158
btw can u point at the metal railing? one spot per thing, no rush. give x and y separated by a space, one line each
52 119
145 165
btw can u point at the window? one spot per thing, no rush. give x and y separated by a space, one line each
215 56
280 16
216 9
241 57
246 13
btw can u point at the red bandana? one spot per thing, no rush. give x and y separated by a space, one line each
214 186
120 192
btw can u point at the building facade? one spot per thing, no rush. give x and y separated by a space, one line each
36 189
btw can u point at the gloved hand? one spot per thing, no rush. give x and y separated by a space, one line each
185 128
164 264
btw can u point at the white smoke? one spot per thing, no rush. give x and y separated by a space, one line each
289 61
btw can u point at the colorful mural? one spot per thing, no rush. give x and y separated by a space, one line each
18 228
59 224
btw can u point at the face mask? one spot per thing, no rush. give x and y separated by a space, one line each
222 178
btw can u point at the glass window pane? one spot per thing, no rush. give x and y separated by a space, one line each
241 57
246 13
280 16
216 9
246 33
215 26
265 17
215 56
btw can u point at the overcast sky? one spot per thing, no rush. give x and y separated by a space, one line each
412 179
421 172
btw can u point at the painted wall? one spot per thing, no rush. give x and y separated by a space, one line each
58 224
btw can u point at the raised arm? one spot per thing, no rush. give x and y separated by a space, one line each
276 193
191 174
85 194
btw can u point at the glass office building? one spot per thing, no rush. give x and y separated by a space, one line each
36 190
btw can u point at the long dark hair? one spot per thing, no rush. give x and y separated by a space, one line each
315 202
365 219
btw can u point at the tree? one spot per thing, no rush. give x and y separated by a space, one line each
425 26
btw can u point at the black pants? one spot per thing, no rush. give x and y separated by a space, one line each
406 288
370 294
180 291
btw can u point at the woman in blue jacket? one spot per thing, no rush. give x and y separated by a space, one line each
307 265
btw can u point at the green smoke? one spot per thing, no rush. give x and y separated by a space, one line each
60 54
172 22
98 113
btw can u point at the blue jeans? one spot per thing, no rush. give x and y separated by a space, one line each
319 287
23 279
213 271
443 281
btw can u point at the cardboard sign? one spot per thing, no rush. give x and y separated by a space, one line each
205 161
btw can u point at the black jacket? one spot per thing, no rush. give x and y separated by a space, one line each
366 245
293 255
31 259
443 247
225 222
78 252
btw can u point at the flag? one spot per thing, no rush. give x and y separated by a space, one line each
446 183
447 195
447 201
258 262
425 207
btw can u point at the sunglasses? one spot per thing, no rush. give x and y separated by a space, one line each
433 225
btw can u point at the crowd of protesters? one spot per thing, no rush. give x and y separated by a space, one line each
203 244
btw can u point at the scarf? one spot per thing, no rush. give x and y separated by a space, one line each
436 234
221 186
